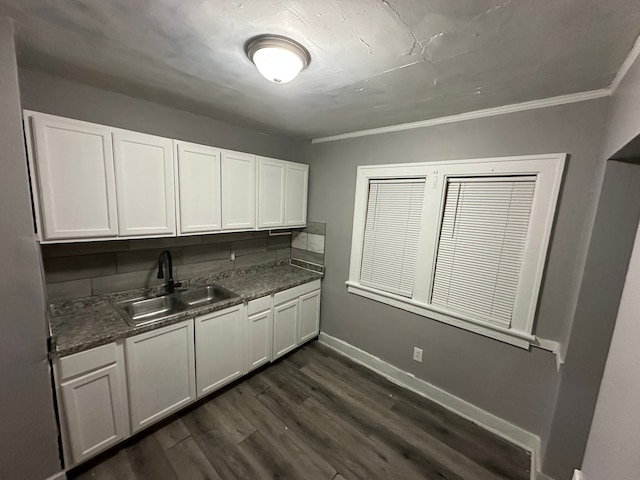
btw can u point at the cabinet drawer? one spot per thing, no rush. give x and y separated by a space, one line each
295 292
86 361
259 305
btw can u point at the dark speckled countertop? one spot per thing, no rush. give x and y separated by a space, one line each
81 324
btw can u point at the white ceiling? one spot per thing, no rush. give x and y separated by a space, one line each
374 62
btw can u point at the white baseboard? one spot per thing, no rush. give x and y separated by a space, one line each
494 424
58 476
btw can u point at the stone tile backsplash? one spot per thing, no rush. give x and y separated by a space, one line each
308 245
75 270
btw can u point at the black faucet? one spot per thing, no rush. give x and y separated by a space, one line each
171 283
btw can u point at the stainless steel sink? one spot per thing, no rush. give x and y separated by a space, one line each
142 311
206 295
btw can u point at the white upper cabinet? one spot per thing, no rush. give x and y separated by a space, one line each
295 210
238 172
271 192
144 184
94 182
197 170
72 178
282 193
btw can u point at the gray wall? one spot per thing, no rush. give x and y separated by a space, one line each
51 94
515 384
612 450
623 122
604 276
75 270
28 432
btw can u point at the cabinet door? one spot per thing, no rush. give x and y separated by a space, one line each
160 373
220 347
309 325
296 194
72 163
94 411
260 327
238 190
285 324
271 185
144 184
198 188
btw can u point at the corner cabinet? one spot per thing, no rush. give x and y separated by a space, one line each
296 317
282 193
91 389
295 207
72 176
160 373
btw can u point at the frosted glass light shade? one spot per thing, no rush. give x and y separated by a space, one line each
278 59
277 65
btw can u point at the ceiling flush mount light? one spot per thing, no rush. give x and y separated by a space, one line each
279 59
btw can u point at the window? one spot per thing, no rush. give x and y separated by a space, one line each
463 242
391 235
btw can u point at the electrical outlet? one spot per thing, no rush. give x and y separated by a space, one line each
417 354
233 256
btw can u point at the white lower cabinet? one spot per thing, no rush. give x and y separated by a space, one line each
220 348
160 373
92 388
308 316
259 332
285 325
118 389
296 316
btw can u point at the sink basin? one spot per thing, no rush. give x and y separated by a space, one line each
206 295
142 311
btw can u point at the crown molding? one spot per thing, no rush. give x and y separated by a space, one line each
489 112
626 65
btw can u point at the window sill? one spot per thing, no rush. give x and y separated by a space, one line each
518 339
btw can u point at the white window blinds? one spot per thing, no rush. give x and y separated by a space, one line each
481 246
392 231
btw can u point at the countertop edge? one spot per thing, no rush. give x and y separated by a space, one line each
57 352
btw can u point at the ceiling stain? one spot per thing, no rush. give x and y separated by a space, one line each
374 62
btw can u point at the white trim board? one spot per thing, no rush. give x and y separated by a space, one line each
551 346
494 424
489 112
626 65
58 476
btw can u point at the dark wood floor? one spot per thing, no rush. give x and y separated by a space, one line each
315 415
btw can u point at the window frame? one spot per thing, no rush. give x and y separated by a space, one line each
548 170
